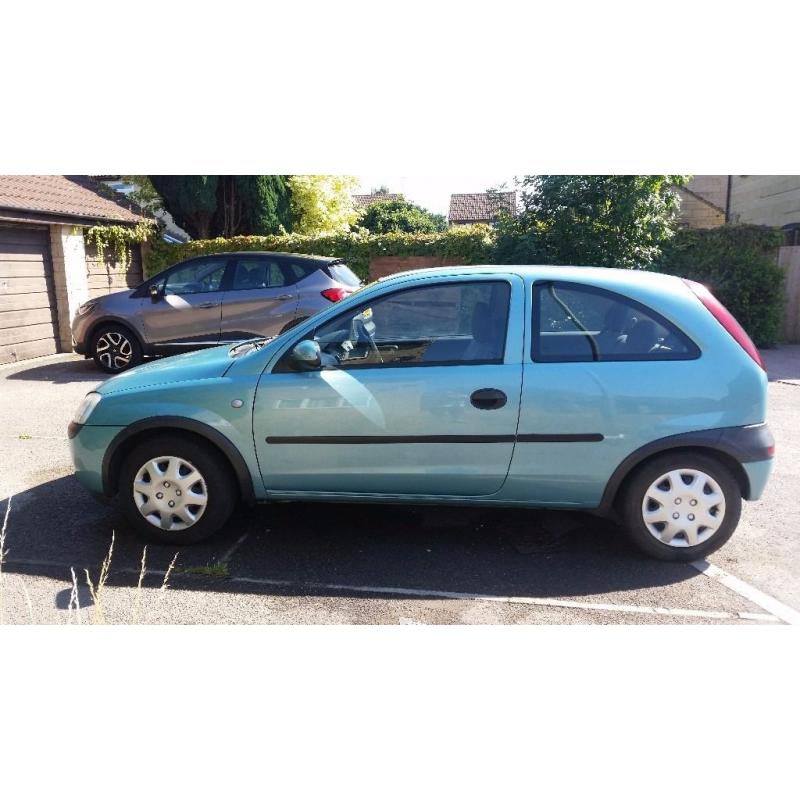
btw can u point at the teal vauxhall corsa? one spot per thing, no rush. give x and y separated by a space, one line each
625 392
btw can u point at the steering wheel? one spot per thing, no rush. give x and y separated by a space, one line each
361 333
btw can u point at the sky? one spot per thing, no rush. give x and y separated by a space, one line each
433 191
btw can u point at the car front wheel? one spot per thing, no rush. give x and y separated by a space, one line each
176 490
115 349
681 507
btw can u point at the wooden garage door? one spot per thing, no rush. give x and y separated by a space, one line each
27 300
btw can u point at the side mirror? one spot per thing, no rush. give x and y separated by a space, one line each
155 292
306 355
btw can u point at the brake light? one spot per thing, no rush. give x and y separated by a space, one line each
335 295
726 319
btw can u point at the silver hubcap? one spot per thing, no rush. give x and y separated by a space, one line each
683 508
114 350
170 493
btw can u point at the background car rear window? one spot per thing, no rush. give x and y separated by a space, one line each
259 273
572 322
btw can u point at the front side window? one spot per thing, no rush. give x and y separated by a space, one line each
453 323
196 278
572 322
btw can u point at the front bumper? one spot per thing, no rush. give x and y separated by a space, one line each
88 445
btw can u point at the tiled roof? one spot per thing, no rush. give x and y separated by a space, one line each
364 200
481 207
66 195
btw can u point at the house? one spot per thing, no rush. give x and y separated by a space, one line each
47 268
711 200
467 209
364 200
703 201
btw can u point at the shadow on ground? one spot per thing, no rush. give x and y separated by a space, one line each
72 371
294 547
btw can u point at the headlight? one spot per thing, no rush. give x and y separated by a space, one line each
86 307
86 407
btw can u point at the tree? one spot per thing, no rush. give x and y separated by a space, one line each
602 220
207 206
323 203
386 216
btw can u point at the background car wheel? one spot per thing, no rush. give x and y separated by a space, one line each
681 507
115 348
176 490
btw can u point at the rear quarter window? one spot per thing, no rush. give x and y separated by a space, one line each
573 322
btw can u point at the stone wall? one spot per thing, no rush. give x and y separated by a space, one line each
69 277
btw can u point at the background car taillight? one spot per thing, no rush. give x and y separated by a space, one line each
726 319
335 295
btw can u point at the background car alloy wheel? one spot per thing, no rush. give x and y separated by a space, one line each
170 493
683 508
114 350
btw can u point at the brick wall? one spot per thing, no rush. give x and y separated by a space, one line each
381 266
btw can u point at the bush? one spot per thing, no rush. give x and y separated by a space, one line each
738 263
386 216
471 243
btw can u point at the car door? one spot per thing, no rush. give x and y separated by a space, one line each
418 395
187 311
261 298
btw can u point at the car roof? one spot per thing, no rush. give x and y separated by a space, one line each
546 272
302 256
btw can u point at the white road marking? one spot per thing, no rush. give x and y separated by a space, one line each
226 556
744 589
754 595
533 601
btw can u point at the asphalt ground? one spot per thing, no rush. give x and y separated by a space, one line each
343 563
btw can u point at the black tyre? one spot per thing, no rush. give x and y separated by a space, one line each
681 506
176 490
293 324
115 349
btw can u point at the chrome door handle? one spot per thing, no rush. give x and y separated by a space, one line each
208 305
284 297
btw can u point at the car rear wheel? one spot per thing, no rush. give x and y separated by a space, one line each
682 507
176 490
115 348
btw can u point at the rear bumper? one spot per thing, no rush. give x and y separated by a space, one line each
758 473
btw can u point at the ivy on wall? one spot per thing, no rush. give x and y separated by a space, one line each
121 238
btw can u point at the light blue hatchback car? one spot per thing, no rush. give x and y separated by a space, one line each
624 392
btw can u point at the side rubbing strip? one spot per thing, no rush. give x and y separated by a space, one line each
389 439
525 437
560 437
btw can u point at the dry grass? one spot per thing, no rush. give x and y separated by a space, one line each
97 614
3 554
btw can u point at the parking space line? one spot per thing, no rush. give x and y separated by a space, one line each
764 601
533 601
744 589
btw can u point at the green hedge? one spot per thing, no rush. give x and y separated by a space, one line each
739 264
472 243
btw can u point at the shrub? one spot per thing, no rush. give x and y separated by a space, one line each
471 243
386 216
738 263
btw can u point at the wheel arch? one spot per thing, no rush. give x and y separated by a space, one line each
109 321
127 439
731 446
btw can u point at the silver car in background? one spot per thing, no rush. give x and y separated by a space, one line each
206 301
